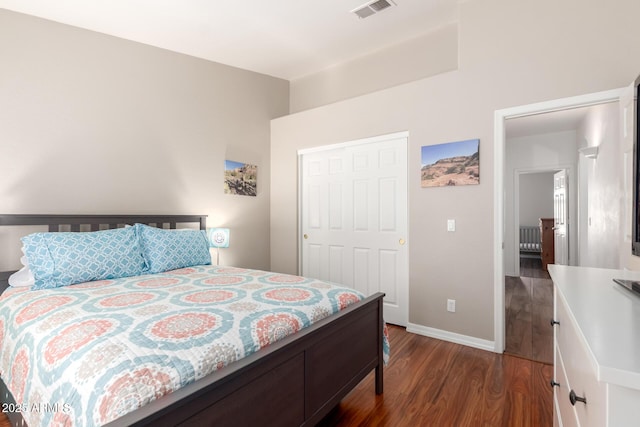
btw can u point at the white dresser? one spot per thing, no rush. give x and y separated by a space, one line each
597 348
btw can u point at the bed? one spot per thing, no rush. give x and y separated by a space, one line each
293 380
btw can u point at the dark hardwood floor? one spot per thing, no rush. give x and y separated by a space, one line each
528 310
429 382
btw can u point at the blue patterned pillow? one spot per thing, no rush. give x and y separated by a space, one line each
166 250
61 259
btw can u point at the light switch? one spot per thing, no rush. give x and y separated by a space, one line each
451 225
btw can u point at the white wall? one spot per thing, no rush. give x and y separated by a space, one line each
536 197
523 155
95 124
603 184
424 56
510 53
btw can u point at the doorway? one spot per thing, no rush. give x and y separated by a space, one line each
500 181
354 218
529 292
533 202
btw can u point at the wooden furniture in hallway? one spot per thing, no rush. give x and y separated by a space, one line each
546 240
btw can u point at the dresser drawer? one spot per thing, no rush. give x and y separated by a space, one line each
566 412
573 358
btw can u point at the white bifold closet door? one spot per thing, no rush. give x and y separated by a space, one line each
353 218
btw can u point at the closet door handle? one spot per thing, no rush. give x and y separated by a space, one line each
573 398
554 322
554 384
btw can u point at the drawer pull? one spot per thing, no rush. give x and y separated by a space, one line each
573 398
554 322
554 384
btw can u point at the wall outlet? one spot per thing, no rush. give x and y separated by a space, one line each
451 305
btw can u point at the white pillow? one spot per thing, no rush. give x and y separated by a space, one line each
22 278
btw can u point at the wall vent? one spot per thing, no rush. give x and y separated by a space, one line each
372 7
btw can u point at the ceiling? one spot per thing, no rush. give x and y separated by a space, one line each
556 121
281 38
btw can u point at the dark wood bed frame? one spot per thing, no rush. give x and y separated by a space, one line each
294 382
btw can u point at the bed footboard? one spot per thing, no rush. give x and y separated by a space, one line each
294 382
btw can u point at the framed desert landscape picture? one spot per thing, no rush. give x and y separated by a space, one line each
240 178
453 163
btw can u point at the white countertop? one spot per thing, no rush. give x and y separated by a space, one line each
608 315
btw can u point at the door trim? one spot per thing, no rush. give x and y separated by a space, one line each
516 205
368 140
498 186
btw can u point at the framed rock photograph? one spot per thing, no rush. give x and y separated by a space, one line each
450 164
240 178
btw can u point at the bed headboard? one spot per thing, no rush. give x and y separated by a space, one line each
94 223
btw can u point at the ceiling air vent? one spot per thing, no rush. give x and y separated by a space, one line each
372 8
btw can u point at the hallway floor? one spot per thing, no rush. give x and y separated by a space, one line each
528 310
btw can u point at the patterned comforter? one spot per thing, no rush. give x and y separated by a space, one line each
87 354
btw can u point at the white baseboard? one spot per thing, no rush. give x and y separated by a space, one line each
451 337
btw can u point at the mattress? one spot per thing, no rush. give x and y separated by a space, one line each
89 353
